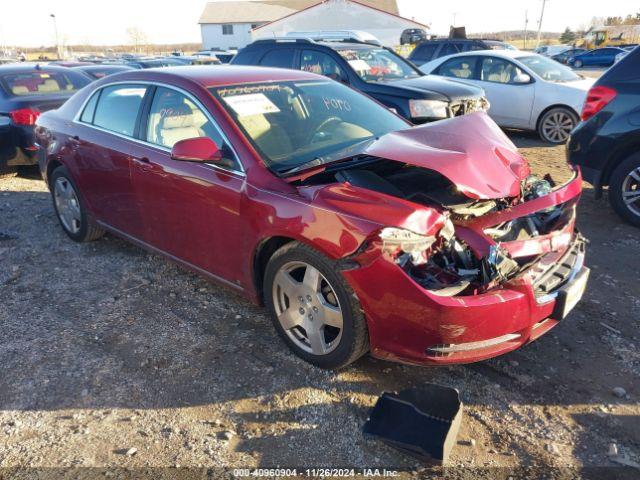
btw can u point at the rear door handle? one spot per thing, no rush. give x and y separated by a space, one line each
141 160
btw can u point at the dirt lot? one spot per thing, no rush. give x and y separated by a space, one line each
105 348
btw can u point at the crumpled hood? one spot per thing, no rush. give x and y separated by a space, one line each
471 151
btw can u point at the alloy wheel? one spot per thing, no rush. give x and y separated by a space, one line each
307 308
631 191
557 127
67 205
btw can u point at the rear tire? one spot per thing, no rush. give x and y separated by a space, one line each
70 208
555 125
624 189
306 294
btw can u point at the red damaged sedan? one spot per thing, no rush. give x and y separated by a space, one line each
426 245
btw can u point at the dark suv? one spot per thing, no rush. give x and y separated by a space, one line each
377 71
606 145
412 36
432 49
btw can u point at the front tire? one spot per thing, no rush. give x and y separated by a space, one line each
70 208
577 64
313 308
555 126
624 189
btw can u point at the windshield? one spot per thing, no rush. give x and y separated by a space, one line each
294 123
378 64
42 83
549 69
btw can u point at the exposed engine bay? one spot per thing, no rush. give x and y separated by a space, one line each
445 265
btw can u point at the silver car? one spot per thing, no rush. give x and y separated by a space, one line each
526 90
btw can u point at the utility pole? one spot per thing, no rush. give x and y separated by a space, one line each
55 29
526 23
3 51
455 14
544 2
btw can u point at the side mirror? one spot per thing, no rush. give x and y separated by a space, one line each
201 149
522 78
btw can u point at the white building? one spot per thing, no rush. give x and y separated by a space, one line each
228 25
385 25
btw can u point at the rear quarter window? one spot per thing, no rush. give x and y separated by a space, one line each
41 83
279 57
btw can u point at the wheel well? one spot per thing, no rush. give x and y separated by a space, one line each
51 166
263 253
616 158
551 107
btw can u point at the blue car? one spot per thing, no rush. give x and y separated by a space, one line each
601 57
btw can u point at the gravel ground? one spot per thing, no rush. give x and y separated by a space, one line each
113 357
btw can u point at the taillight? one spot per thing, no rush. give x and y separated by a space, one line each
597 98
24 116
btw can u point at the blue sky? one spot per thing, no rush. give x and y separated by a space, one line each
27 22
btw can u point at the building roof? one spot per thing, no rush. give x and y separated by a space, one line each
258 11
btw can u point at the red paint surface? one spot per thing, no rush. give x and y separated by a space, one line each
214 221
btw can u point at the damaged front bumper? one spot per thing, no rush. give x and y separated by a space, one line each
411 324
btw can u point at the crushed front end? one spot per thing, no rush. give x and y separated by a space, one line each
498 275
474 256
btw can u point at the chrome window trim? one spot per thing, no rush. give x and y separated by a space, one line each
76 119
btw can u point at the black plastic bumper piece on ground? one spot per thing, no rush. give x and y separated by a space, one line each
422 422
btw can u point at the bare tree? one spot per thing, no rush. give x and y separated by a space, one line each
137 38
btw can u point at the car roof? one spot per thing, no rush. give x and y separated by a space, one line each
102 66
323 43
495 53
436 40
33 67
216 75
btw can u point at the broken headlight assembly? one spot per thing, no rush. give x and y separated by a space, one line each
400 243
444 265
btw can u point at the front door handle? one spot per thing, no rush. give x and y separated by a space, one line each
147 166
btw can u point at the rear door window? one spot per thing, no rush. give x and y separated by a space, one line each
118 107
40 83
279 57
